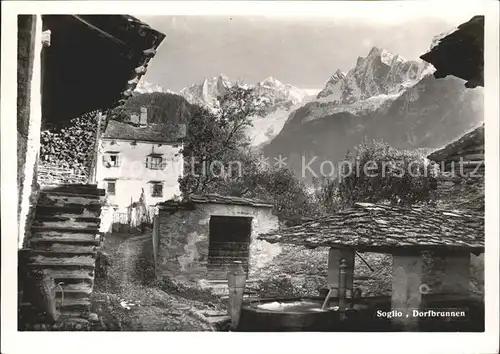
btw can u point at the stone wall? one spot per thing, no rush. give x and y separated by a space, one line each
437 268
184 239
298 271
25 54
29 116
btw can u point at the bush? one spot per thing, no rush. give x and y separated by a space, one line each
380 173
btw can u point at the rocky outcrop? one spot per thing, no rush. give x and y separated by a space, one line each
429 114
206 93
280 99
380 73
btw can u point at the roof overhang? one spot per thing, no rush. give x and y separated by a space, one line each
388 229
94 62
461 53
214 199
474 137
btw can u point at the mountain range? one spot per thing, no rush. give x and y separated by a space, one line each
281 100
384 96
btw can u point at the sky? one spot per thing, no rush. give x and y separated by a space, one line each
303 52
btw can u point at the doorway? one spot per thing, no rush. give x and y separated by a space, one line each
229 241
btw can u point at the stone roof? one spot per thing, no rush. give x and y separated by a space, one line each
461 53
217 199
384 228
166 133
463 197
220 199
460 146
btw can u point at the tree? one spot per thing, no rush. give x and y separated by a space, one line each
219 159
327 195
380 173
216 148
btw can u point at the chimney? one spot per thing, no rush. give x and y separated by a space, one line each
134 118
144 117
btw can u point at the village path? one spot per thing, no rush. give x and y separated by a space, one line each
130 300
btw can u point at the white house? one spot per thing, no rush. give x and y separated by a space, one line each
136 158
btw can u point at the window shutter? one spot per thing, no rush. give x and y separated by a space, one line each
148 161
118 160
106 161
163 163
152 189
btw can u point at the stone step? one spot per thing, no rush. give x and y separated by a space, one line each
74 287
65 248
58 260
69 308
71 276
61 255
48 241
81 189
56 202
67 265
92 210
74 291
82 185
76 222
81 306
63 231
51 233
65 199
74 316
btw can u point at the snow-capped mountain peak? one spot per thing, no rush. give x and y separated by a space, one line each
144 86
271 82
338 75
280 98
385 56
275 92
379 73
206 93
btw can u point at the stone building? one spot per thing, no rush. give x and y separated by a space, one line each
135 159
407 234
198 238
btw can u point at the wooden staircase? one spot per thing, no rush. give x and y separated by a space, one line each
63 244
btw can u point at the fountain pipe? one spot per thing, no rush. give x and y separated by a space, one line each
325 303
365 262
236 279
342 282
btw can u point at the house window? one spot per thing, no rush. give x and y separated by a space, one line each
157 189
111 159
156 162
111 187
